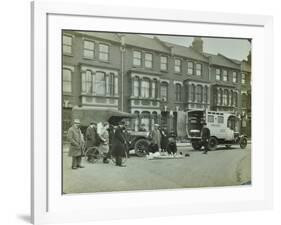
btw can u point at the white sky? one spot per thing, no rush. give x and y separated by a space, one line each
232 48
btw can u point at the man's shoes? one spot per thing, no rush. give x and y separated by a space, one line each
120 165
74 168
204 152
80 166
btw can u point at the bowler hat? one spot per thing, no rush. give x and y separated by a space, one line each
77 121
93 122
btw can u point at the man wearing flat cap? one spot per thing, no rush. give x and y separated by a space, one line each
76 140
92 138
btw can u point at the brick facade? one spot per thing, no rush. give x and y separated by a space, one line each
148 77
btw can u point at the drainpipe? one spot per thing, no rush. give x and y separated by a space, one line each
122 50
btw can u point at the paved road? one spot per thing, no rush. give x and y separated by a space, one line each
222 167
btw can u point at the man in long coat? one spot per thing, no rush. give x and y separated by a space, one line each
156 137
119 144
76 140
205 136
91 137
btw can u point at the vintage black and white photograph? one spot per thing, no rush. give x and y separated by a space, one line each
151 112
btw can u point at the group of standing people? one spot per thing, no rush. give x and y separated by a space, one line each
162 141
109 140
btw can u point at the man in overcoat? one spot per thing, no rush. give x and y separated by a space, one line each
119 144
91 137
75 137
156 137
205 136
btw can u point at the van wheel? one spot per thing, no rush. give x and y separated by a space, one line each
212 145
243 142
196 145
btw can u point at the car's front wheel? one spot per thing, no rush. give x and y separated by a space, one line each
141 147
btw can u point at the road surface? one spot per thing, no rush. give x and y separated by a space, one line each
223 167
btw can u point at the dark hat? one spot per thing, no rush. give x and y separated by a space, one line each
76 121
93 122
122 122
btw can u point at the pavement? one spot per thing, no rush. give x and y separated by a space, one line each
223 167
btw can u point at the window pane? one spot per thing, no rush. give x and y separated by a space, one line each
177 65
115 85
66 80
89 54
67 49
103 48
148 64
225 77
136 87
103 56
198 69
145 88
206 94
243 78
67 40
164 91
100 83
153 89
148 60
190 67
66 75
103 52
218 74
148 56
164 61
137 54
234 77
89 45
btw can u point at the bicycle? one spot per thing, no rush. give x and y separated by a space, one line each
93 155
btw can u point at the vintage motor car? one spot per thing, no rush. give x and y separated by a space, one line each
223 126
138 140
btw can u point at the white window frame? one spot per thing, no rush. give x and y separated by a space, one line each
138 59
88 49
218 75
103 52
148 60
68 45
163 63
177 65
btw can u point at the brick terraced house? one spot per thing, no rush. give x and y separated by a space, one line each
155 80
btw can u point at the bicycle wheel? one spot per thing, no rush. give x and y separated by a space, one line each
93 155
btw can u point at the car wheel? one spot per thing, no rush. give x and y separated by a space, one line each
141 147
212 145
243 142
196 145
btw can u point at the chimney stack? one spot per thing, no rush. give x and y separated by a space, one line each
197 44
